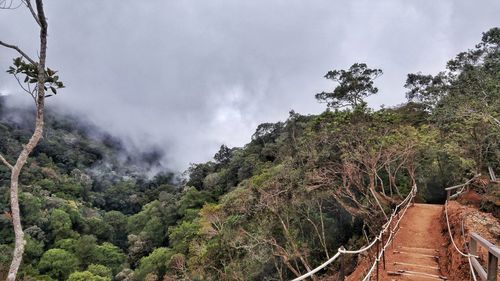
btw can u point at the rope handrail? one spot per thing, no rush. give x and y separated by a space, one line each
391 237
385 227
451 236
473 274
468 255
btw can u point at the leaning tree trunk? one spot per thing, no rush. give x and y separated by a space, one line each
28 148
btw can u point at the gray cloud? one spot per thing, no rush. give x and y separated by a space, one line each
189 76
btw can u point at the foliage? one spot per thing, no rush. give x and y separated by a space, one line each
86 276
355 84
283 203
155 263
100 270
58 264
30 72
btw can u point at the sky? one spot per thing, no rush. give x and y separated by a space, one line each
188 76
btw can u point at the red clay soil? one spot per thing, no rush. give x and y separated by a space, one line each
417 251
484 224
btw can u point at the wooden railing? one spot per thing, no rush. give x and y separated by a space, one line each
389 229
492 174
491 272
463 187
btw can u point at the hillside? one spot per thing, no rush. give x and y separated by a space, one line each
79 188
270 210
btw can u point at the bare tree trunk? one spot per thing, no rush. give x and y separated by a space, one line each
373 192
381 183
378 203
388 170
320 206
28 148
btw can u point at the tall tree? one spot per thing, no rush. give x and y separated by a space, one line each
37 80
464 99
354 85
223 155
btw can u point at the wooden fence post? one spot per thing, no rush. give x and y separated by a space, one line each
473 247
342 267
492 267
383 251
376 255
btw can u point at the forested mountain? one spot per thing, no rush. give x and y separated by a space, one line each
79 188
270 210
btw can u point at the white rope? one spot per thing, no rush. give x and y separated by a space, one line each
389 241
468 255
449 232
473 274
343 251
455 245
385 227
472 269
310 273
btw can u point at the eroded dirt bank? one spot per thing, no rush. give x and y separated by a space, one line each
484 224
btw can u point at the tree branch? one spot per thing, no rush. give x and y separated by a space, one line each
8 6
32 94
6 162
30 7
19 51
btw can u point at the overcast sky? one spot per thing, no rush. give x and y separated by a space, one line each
188 76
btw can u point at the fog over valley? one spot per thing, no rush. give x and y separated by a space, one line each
188 76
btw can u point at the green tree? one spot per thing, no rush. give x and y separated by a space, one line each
99 228
118 223
86 276
192 199
181 235
197 172
58 264
100 270
68 244
86 250
464 99
60 224
223 156
33 250
31 207
155 263
154 231
5 255
109 255
354 85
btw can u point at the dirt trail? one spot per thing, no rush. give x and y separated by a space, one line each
417 250
418 247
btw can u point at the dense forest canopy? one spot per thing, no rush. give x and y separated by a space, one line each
270 210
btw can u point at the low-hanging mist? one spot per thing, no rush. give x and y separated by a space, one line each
186 77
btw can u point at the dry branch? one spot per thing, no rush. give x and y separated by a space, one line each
19 51
6 162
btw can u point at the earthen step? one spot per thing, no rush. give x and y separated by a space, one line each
414 258
416 274
419 250
425 268
420 255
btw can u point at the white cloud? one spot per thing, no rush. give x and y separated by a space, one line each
191 75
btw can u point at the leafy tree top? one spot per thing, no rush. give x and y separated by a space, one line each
470 73
354 84
223 155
